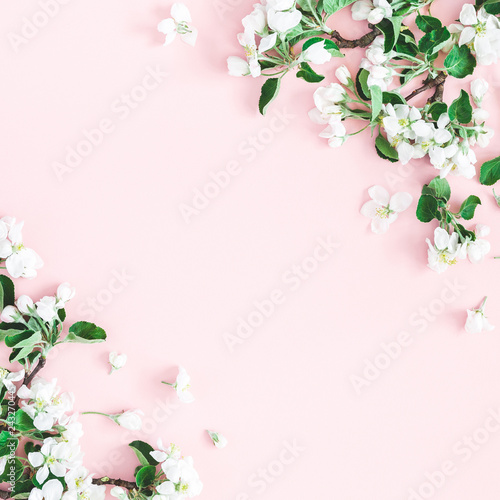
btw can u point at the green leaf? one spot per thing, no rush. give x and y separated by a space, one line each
294 39
492 8
460 62
22 489
85 333
437 108
385 150
329 45
376 95
441 188
20 353
269 92
23 422
10 329
428 23
142 450
391 29
362 84
8 443
308 74
332 6
392 98
61 314
146 476
31 447
469 207
23 339
406 43
461 109
427 209
7 290
12 471
490 172
434 41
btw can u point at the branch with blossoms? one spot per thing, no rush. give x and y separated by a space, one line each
297 37
40 455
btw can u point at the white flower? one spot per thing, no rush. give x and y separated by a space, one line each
335 133
47 309
445 250
130 419
218 439
43 403
316 54
179 23
162 454
479 87
328 101
65 292
481 32
10 314
24 304
52 458
80 487
51 490
117 361
8 378
343 75
3 463
184 476
479 248
72 429
384 209
372 11
283 21
182 386
237 66
406 121
247 41
257 20
281 4
119 493
477 321
375 63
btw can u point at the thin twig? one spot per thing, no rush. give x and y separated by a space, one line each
428 84
29 377
364 41
128 485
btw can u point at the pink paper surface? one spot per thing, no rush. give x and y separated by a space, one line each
184 286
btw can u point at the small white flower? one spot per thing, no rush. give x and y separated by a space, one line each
119 493
335 133
8 378
218 439
477 321
65 292
237 66
445 250
372 11
51 490
479 87
130 419
117 361
10 314
384 209
343 75
479 248
52 458
182 386
47 309
3 463
25 304
179 23
328 101
163 454
316 54
283 21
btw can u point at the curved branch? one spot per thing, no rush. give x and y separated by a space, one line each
364 41
29 377
128 485
428 84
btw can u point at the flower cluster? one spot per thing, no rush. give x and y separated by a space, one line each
20 261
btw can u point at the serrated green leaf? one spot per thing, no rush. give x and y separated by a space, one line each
269 92
460 62
146 476
490 172
308 74
428 23
143 452
432 42
427 209
332 6
85 333
385 150
469 207
461 108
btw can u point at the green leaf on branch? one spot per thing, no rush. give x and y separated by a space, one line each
427 208
362 84
332 6
469 207
146 476
432 42
393 98
440 188
23 422
428 23
13 471
85 333
460 62
376 95
269 92
8 443
329 45
461 109
308 74
490 172
22 489
391 29
143 451
23 339
437 108
7 293
385 150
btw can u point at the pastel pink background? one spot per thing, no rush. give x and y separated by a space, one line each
291 380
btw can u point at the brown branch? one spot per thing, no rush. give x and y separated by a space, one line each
5 494
428 84
364 41
29 377
128 485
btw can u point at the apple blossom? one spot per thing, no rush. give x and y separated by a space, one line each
479 87
46 308
384 209
51 490
343 75
65 292
179 23
371 10
52 458
25 304
130 419
477 321
117 361
218 439
445 250
316 54
10 314
8 378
